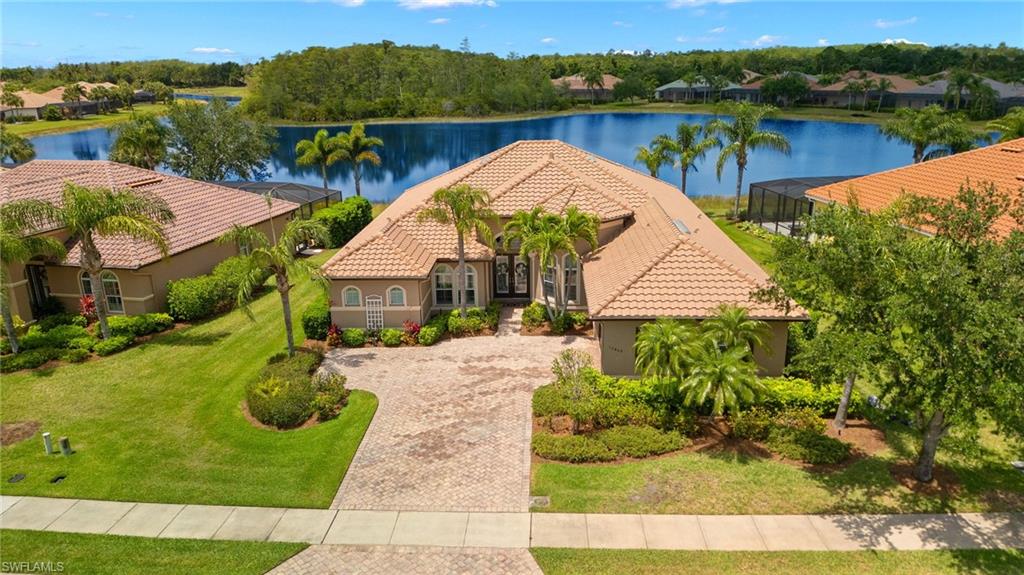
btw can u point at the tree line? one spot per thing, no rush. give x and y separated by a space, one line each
176 73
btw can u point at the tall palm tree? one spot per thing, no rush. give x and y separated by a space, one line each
74 92
688 146
925 127
851 88
141 141
468 210
732 326
593 78
957 81
724 375
743 135
663 348
15 148
90 213
11 99
883 86
867 85
653 157
18 222
317 152
522 224
356 147
276 255
1010 126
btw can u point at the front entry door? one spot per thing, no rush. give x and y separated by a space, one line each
511 277
38 287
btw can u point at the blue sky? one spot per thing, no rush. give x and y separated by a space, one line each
44 34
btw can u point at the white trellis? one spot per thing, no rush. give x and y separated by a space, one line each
374 312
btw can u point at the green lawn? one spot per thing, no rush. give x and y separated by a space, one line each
757 248
163 422
223 91
41 127
600 561
111 554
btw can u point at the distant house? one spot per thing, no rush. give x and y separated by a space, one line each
902 92
85 106
33 105
576 87
683 91
136 275
1007 95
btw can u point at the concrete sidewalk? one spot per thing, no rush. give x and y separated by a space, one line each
518 530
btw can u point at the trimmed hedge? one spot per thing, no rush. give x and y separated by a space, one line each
29 359
113 344
641 440
429 335
570 448
353 337
791 392
74 355
316 319
299 366
345 219
191 299
391 337
139 325
51 321
807 446
280 402
535 315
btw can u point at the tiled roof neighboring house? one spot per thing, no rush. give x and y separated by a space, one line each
577 82
58 92
33 100
998 164
812 80
1003 90
671 260
900 85
203 211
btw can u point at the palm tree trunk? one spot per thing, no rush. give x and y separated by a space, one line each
839 422
283 288
327 193
739 188
934 432
92 263
462 276
918 154
9 327
357 176
880 98
682 183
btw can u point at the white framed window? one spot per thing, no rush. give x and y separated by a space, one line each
111 287
444 286
351 296
396 296
571 270
548 280
470 285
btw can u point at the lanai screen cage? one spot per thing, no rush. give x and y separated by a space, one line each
778 205
309 198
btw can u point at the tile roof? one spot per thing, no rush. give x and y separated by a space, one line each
998 164
203 211
900 85
671 260
33 100
576 82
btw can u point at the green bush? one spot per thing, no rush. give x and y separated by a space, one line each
316 319
297 367
192 299
550 400
233 271
86 343
64 318
113 344
633 389
535 315
429 334
807 446
789 392
331 395
36 338
640 441
29 359
562 323
579 318
345 219
5 346
353 337
571 448
459 326
607 413
391 337
139 325
803 418
753 424
280 402
63 335
685 423
74 355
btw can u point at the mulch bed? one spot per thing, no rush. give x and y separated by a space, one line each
545 329
944 483
17 431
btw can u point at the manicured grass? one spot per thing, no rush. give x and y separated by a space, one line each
103 554
41 127
223 91
598 561
757 248
163 421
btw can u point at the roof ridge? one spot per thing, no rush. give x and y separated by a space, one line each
405 254
636 276
558 192
595 185
521 177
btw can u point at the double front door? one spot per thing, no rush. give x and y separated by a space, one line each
511 276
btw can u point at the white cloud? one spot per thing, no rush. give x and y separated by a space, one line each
439 21
349 3
426 4
718 30
548 40
885 24
21 44
764 40
201 50
621 24
823 41
674 4
903 41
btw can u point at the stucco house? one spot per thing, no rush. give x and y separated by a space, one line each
136 274
659 255
576 87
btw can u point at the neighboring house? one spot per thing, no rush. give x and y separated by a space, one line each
33 105
903 92
136 275
659 255
85 106
999 164
576 87
1007 95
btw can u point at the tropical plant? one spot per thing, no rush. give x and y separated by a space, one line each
74 92
90 213
276 256
867 85
102 96
884 84
15 148
687 147
593 78
957 81
743 135
216 141
724 375
355 147
19 220
663 348
1010 126
11 99
317 152
732 326
141 141
467 209
653 157
926 127
125 94
852 88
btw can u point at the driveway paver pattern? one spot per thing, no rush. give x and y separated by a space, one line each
452 429
367 560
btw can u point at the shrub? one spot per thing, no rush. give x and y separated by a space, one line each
29 359
113 344
297 367
459 326
51 321
74 355
63 335
535 315
411 328
685 423
803 418
550 400
333 336
36 338
637 390
52 114
280 402
331 395
753 424
807 446
316 319
87 307
139 325
579 318
372 336
5 346
345 219
429 335
87 343
562 323
191 299
353 337
607 413
391 337
789 392
233 271
571 448
640 441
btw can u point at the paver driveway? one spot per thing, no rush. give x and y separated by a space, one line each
452 431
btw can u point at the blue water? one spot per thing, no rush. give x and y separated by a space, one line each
415 152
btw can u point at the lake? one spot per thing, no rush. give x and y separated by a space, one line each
414 152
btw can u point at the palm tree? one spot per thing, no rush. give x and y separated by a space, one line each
925 127
654 157
690 78
317 152
1010 126
11 99
468 210
276 255
15 148
593 78
687 147
663 348
89 213
883 86
18 222
867 85
957 81
743 136
74 93
723 374
852 87
732 326
141 141
355 147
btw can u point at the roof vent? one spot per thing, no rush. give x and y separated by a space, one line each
1012 150
681 226
144 182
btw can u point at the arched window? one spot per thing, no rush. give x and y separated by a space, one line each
444 292
351 296
111 287
571 269
396 296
